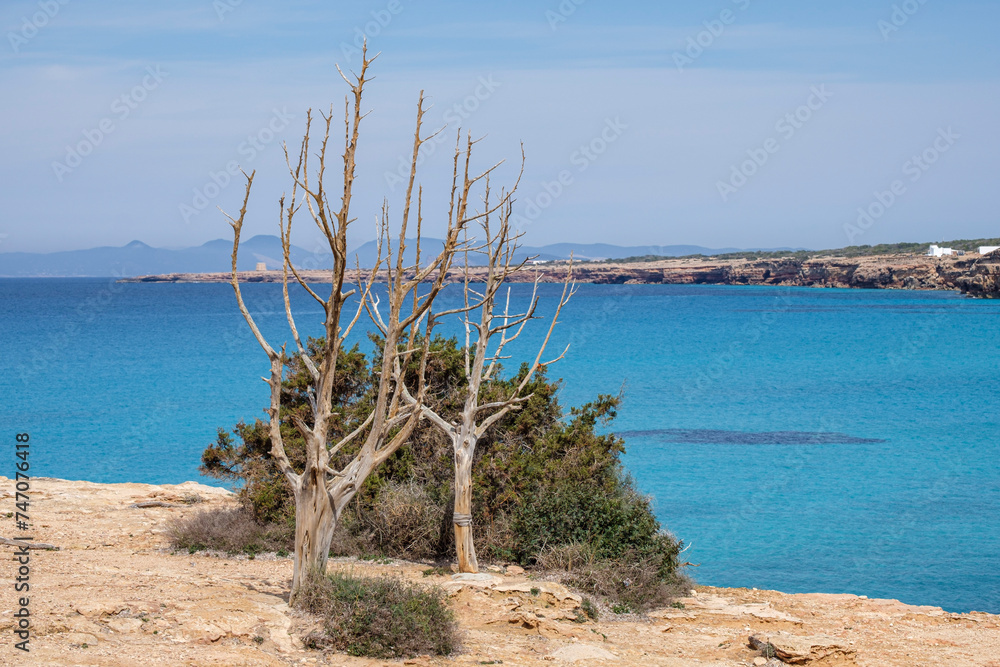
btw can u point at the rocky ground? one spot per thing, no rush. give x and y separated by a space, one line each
113 594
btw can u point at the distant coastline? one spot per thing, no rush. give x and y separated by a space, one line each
974 275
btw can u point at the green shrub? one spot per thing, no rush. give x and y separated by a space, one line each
379 617
589 608
612 521
543 477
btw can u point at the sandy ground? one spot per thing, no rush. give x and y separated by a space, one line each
115 595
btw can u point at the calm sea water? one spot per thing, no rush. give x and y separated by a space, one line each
795 439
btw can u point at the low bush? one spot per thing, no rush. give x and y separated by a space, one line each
379 617
402 521
629 583
233 530
611 519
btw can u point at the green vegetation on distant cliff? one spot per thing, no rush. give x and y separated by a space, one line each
967 245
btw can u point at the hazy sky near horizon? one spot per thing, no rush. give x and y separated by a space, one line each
745 123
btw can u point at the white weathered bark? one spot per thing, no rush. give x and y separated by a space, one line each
465 547
496 329
320 491
315 521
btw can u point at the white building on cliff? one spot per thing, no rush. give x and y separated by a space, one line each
937 251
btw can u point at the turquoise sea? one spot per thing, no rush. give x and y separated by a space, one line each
796 439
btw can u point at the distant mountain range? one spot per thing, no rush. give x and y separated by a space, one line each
137 258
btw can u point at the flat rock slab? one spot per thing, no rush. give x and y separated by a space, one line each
475 576
802 650
715 604
581 652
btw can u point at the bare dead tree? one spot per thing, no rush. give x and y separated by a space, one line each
320 490
489 328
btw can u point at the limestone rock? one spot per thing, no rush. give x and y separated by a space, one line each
125 625
801 650
474 576
98 608
547 591
578 652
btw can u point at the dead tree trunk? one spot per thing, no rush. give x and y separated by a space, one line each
329 478
488 331
315 520
465 546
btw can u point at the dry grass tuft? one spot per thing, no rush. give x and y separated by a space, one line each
231 530
628 584
403 522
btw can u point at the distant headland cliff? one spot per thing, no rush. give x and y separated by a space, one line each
971 274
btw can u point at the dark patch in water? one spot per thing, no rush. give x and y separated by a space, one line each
709 437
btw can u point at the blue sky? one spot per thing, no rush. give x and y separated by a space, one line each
724 123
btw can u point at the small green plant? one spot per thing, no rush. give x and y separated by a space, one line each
379 617
376 558
84 645
258 639
677 605
535 591
282 553
589 608
437 572
621 609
